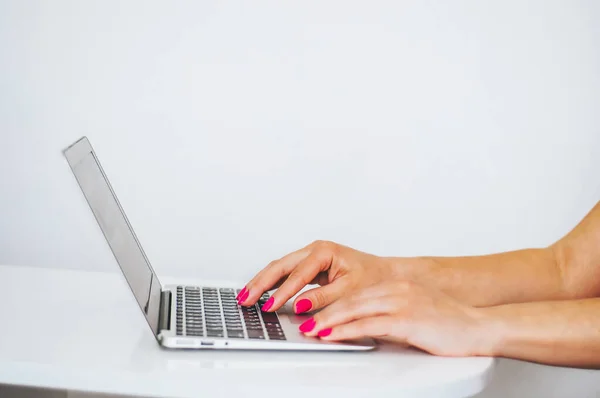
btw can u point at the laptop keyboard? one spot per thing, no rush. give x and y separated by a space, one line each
214 312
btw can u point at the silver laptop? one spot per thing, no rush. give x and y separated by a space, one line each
190 317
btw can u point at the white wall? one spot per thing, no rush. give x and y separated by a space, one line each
234 132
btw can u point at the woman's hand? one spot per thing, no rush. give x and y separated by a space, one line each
338 269
405 312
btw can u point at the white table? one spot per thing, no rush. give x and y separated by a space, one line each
83 331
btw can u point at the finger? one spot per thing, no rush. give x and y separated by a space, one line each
375 327
320 279
350 308
279 283
270 275
301 276
320 297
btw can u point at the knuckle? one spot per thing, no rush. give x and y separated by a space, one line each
297 279
326 248
323 244
315 243
318 297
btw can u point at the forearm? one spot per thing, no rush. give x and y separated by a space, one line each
564 333
511 277
568 269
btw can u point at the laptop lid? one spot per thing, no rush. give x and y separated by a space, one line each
116 229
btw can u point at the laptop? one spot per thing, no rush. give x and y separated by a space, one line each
181 316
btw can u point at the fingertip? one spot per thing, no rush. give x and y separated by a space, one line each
268 304
303 305
241 293
324 332
243 296
308 325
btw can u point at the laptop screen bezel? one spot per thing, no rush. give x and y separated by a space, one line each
117 229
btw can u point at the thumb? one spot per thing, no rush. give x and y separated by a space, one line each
320 297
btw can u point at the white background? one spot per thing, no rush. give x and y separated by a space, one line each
234 132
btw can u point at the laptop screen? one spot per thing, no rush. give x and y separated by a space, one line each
116 229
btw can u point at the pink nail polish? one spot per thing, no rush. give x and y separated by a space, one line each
324 332
267 306
308 325
241 293
303 306
244 296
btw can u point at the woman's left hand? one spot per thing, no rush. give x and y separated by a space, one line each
406 312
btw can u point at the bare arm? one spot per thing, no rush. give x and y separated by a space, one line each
568 269
565 333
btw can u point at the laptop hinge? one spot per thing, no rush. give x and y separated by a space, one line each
164 314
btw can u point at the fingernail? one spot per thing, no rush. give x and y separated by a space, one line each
308 325
267 306
324 332
241 293
303 306
244 296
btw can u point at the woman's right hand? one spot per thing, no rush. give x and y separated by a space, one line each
338 270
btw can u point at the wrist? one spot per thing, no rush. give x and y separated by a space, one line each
409 268
491 332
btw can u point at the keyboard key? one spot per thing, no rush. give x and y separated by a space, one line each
270 317
256 334
229 314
